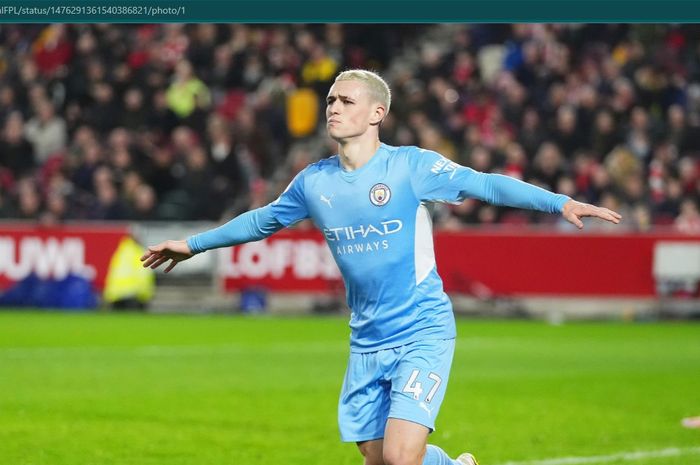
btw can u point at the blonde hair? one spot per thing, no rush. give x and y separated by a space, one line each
378 88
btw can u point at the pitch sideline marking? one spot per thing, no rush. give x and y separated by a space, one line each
164 350
624 456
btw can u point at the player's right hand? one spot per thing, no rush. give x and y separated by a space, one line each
175 251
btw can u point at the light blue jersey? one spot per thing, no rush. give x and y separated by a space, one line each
379 230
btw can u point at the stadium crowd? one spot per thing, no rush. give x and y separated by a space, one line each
201 122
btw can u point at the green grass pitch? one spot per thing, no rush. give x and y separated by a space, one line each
149 390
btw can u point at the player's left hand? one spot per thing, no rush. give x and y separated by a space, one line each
573 211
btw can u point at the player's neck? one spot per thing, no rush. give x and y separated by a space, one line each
355 154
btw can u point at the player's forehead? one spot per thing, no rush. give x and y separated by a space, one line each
350 88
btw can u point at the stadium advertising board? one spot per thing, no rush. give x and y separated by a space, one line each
289 261
55 252
505 262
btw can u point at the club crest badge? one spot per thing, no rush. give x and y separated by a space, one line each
379 194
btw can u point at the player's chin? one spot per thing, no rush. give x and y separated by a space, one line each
334 133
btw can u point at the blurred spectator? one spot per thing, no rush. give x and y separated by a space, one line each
320 68
230 179
173 45
430 138
197 187
8 102
88 159
689 219
161 175
480 159
16 153
566 132
6 210
515 161
187 94
139 199
135 116
670 206
531 133
639 134
46 131
143 207
28 200
104 112
56 209
621 163
604 135
52 50
161 120
547 167
107 204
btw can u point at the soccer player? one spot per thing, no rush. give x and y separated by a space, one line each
369 201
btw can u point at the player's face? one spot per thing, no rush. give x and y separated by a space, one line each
350 111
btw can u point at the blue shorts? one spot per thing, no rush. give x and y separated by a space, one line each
406 382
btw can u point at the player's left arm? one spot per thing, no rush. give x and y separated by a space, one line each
436 178
504 190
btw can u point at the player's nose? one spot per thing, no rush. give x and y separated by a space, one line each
333 108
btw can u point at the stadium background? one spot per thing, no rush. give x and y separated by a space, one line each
200 122
157 131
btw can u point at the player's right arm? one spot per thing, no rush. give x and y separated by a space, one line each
251 226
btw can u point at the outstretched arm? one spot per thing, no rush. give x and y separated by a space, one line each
250 226
504 190
436 178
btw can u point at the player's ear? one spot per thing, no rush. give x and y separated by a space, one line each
378 115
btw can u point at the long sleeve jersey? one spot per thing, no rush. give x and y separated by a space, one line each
379 230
